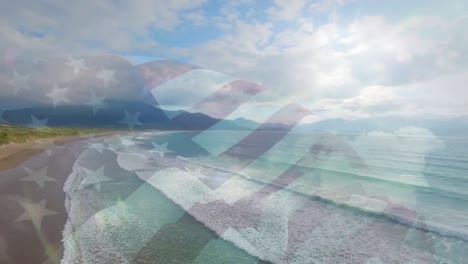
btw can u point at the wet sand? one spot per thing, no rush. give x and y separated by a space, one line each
22 241
15 153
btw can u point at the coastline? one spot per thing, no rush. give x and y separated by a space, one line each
13 154
43 242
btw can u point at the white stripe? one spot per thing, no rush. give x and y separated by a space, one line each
270 235
327 238
108 231
216 141
280 157
184 91
263 170
182 188
137 60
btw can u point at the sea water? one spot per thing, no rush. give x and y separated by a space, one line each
375 197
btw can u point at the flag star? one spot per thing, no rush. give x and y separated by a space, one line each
37 176
77 64
47 146
96 103
107 76
35 213
158 148
38 123
58 94
94 178
131 120
20 82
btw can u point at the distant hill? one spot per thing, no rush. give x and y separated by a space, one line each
438 126
152 117
7 103
245 123
111 116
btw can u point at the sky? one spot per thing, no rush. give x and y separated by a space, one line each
350 59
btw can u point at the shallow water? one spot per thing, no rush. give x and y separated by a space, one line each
393 198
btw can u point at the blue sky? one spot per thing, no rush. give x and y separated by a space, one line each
189 34
341 58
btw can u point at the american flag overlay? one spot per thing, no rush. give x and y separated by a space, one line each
187 181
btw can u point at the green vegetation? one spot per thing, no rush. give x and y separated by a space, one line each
18 134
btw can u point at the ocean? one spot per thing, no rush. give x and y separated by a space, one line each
376 197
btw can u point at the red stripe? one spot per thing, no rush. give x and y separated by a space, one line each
227 99
157 72
263 139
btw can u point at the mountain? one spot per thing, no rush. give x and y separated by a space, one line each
246 123
151 117
7 103
112 116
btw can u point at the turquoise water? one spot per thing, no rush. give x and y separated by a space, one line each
398 197
423 173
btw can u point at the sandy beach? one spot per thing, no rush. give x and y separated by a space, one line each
21 239
15 153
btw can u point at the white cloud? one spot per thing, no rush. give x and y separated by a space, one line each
287 9
343 63
300 49
197 17
442 97
84 26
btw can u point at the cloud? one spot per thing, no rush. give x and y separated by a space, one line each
423 98
311 52
287 9
339 62
84 26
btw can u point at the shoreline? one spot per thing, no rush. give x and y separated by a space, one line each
44 243
13 154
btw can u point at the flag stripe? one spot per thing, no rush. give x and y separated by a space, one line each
258 142
195 85
225 139
227 99
218 105
155 73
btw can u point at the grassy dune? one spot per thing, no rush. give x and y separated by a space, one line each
19 134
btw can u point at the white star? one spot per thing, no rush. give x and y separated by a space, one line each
107 76
131 120
38 123
94 178
161 149
37 176
35 213
77 64
20 82
97 103
47 146
58 94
